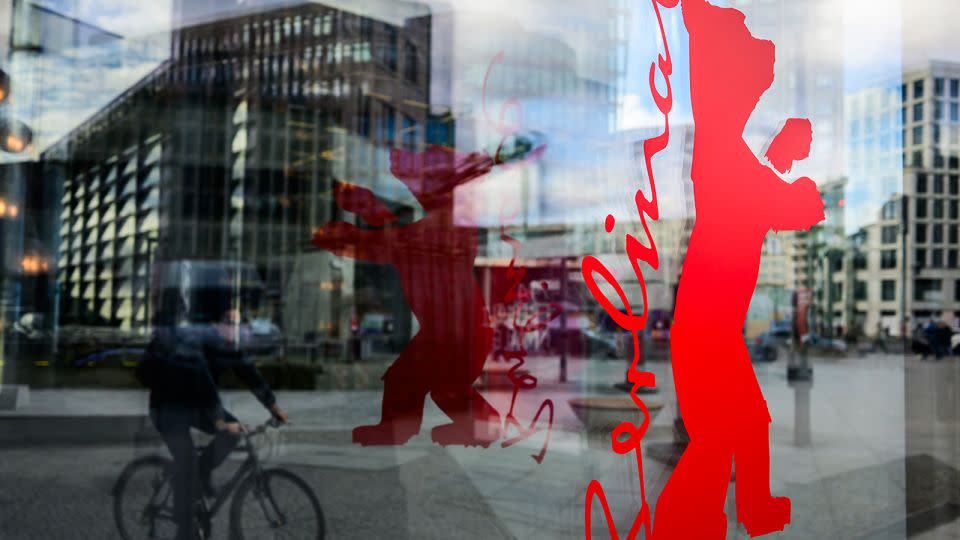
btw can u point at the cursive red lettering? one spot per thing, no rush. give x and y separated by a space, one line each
536 321
627 437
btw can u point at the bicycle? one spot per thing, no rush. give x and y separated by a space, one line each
143 500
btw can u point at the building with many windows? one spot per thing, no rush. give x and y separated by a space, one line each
813 258
910 248
230 149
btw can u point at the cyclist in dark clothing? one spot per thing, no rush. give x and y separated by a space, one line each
188 361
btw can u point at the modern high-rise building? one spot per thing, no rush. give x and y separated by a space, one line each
914 276
230 149
874 141
813 258
803 87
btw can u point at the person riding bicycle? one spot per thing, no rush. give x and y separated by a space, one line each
182 366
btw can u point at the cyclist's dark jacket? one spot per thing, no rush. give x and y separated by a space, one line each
184 364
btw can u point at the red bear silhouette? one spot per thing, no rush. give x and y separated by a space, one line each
738 200
434 259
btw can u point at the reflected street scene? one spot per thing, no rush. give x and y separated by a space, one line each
459 269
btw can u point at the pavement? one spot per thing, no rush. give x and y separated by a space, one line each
870 449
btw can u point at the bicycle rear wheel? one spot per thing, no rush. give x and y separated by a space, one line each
276 504
143 500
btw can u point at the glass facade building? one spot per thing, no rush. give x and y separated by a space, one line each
371 218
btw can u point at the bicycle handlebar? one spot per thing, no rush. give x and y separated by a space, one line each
273 422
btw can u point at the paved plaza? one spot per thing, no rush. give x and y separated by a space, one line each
870 449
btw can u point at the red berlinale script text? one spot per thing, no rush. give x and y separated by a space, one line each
517 296
626 437
514 296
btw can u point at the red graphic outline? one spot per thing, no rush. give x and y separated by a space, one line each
449 351
738 201
435 246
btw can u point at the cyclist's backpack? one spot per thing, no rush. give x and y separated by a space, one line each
174 362
151 368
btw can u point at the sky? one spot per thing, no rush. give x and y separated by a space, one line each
873 46
930 24
129 18
55 91
930 30
880 39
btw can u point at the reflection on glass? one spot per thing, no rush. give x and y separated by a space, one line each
167 164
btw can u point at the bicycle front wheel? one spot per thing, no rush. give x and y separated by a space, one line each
143 500
276 504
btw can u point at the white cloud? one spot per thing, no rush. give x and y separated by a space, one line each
930 31
872 46
130 18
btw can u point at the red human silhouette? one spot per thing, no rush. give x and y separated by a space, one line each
738 200
434 260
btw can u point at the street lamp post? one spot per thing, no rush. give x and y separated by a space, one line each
8 393
15 137
151 283
904 231
804 305
565 335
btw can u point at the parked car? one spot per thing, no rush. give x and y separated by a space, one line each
924 337
198 292
266 339
766 347
820 344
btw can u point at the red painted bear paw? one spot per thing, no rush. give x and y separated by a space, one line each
770 515
478 433
385 433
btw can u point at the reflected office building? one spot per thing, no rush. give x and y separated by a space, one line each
904 145
229 150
